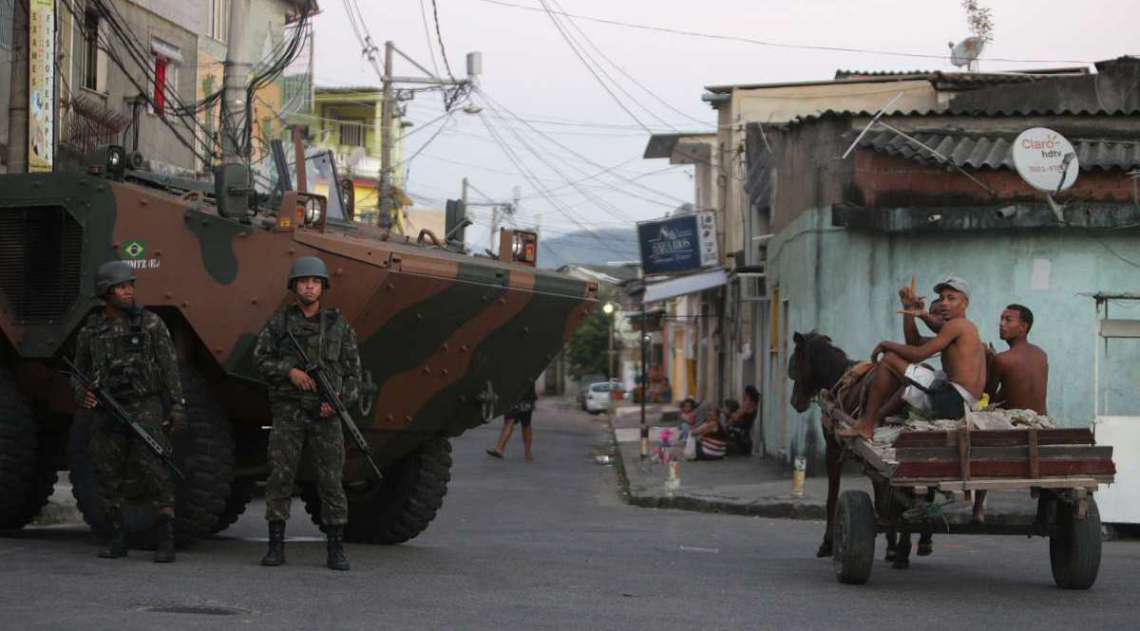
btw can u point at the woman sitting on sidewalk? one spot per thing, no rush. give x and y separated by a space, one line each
710 437
740 422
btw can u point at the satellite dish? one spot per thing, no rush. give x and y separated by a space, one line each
1045 160
966 52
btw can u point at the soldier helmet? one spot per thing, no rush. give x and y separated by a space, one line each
308 267
112 273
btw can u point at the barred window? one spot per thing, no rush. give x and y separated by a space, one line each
352 134
6 20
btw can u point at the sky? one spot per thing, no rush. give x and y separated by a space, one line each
549 127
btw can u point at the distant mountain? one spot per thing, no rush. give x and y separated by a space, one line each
597 247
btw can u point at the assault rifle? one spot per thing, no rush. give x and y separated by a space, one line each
329 395
117 412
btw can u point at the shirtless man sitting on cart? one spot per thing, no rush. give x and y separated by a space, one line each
905 379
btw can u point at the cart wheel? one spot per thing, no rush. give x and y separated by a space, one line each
1074 553
854 537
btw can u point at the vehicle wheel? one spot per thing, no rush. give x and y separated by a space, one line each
203 452
241 492
854 537
404 502
1074 553
26 487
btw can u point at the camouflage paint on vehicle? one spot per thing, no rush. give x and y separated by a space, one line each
435 327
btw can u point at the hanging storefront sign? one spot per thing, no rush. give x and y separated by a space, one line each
678 244
41 85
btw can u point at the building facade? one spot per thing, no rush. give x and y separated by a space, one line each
932 193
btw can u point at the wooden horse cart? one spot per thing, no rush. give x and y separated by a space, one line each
1060 468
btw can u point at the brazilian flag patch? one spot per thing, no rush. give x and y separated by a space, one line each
135 249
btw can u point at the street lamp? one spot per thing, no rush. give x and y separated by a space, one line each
608 309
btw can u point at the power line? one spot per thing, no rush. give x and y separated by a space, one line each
609 208
526 172
439 38
759 42
627 75
590 68
427 36
490 100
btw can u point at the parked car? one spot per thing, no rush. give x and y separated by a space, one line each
584 387
598 396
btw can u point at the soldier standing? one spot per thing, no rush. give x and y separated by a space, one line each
128 350
300 417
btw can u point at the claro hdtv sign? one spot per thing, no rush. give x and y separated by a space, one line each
678 244
1045 159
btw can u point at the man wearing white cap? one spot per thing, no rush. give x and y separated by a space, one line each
935 394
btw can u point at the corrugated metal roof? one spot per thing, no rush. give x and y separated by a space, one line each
993 152
944 80
963 112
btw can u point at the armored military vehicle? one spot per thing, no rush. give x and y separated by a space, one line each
448 340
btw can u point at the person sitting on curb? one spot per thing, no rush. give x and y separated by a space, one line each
710 436
688 418
738 427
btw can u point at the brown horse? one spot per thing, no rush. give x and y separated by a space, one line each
817 365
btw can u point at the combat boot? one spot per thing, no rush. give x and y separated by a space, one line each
117 546
276 554
164 539
336 560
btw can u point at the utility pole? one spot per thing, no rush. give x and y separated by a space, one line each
386 203
235 78
494 227
463 196
232 180
18 103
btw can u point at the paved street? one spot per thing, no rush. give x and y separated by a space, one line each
550 545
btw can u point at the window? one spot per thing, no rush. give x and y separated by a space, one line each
90 50
219 18
352 134
6 20
165 59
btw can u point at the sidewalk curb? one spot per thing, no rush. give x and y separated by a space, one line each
777 508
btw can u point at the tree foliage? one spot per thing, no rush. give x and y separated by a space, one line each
588 351
980 19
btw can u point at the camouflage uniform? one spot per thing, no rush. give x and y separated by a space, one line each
328 339
134 357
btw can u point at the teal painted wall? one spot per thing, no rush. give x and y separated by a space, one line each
845 284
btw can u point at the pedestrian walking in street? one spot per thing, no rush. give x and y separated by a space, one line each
128 352
519 413
300 418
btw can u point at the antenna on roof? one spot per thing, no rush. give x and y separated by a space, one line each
966 53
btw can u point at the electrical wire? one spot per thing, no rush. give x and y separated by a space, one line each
771 44
488 99
114 57
427 36
530 177
592 71
439 38
627 75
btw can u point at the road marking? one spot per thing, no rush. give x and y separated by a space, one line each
700 549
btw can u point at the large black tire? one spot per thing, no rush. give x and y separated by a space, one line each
854 537
25 485
1074 553
402 505
241 492
204 452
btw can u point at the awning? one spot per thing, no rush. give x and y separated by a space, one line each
690 284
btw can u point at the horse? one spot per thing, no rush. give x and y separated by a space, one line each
817 365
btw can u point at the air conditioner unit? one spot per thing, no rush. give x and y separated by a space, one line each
753 284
